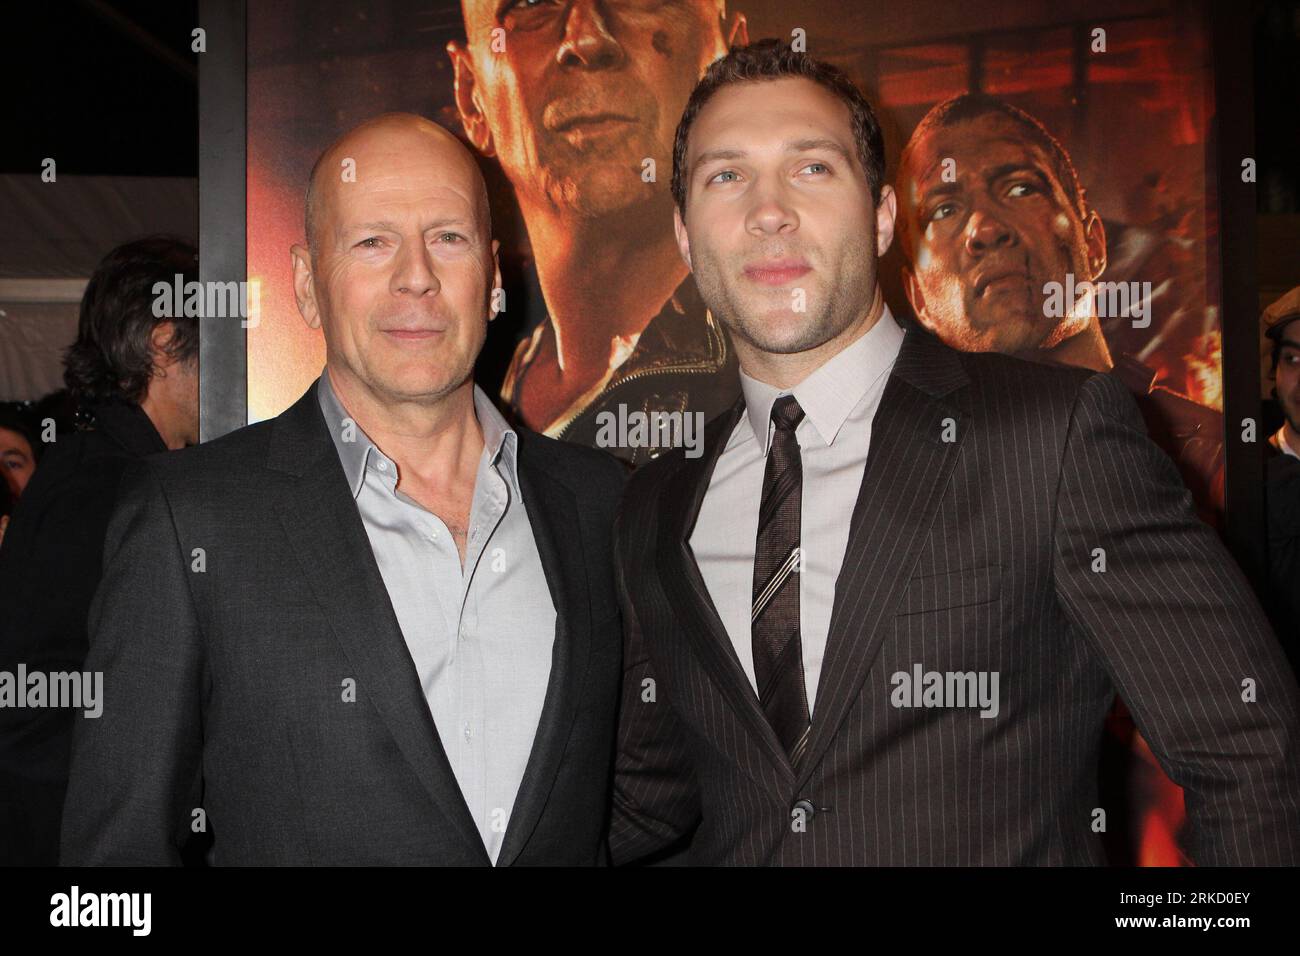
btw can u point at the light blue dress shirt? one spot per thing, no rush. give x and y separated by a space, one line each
480 635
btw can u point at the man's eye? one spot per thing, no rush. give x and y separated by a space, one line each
450 238
818 167
518 5
943 211
1021 189
372 242
726 172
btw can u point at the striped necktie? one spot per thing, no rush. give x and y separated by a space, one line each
774 617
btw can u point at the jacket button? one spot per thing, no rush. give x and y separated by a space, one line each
803 810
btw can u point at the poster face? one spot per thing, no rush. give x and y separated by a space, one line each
1053 169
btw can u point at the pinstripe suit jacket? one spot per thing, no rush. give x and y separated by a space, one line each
975 554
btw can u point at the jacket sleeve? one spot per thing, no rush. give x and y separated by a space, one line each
656 800
135 774
1178 628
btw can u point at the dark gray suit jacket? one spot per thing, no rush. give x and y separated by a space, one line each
223 686
970 555
49 570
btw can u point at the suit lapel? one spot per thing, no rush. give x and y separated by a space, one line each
907 470
553 514
689 596
324 528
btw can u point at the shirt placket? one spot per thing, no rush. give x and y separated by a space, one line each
486 512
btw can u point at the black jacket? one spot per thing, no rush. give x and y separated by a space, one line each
49 569
1282 494
222 685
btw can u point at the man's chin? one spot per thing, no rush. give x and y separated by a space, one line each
605 188
418 386
1012 332
784 337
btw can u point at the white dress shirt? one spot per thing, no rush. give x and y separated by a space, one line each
839 402
480 634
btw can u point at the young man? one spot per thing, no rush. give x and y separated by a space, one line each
881 619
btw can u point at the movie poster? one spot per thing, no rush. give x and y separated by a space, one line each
1054 168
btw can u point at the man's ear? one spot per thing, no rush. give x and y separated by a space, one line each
465 87
739 33
683 240
886 216
915 297
160 340
304 286
1094 234
496 280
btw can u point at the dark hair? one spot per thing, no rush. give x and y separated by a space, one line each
1274 334
970 106
14 420
773 60
111 358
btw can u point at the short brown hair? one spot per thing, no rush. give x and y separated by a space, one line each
774 60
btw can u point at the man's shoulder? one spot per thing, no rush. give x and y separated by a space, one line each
1013 387
233 459
994 370
584 471
1281 469
77 465
651 479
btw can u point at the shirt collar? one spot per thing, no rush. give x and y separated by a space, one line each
831 392
499 440
1282 445
357 452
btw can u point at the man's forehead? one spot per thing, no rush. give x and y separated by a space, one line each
12 441
398 171
768 112
975 144
481 15
391 193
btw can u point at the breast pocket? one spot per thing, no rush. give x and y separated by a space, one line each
964 587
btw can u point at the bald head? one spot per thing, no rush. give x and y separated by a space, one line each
401 264
380 147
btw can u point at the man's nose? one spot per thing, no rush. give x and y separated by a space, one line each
588 41
985 231
771 214
414 273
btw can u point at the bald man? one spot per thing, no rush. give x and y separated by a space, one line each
382 627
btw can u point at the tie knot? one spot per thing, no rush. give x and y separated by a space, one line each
786 412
